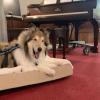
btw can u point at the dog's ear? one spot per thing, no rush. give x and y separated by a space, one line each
47 41
26 35
37 29
30 33
22 37
31 30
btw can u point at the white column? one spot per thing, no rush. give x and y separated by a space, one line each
3 24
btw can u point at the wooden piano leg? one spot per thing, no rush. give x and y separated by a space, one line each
94 49
65 40
76 31
53 36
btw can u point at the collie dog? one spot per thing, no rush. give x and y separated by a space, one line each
33 52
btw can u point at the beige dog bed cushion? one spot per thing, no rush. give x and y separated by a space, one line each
19 79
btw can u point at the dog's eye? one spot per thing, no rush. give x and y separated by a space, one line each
42 40
46 44
35 39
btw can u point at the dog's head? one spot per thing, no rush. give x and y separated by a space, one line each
36 43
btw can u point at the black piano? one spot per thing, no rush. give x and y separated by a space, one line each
75 12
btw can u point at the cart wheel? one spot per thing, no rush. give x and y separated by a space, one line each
86 50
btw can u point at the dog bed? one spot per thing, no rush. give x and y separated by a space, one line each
19 79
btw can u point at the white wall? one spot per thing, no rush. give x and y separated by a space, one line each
3 25
25 3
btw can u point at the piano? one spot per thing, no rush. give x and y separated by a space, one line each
74 11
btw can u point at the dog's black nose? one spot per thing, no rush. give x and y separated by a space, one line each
39 49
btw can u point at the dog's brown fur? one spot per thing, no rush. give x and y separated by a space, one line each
4 45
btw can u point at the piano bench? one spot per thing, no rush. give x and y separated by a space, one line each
59 36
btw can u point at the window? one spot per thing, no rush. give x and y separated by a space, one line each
61 1
49 2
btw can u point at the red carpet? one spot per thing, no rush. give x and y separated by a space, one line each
83 85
